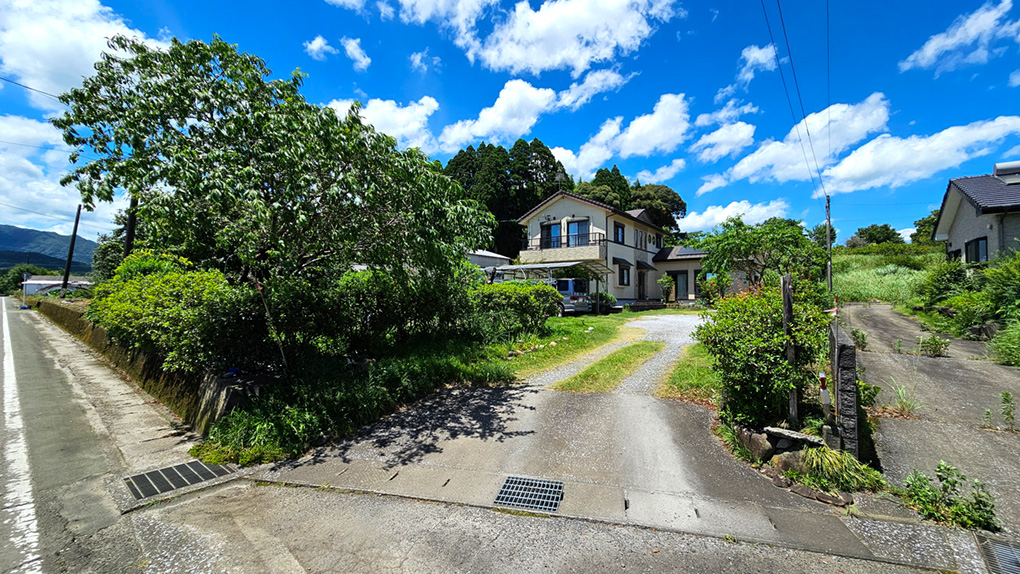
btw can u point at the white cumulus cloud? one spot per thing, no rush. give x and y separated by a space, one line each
891 161
408 124
318 48
386 11
906 233
571 34
1014 79
753 59
969 40
421 62
727 114
349 4
593 153
664 173
352 46
51 44
515 111
594 83
728 140
712 182
748 212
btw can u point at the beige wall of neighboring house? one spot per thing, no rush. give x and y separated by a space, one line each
982 211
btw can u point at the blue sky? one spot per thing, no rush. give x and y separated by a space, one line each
907 95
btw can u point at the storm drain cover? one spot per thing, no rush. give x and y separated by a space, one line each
174 477
1001 556
531 494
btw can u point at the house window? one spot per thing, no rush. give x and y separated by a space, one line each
624 275
551 236
619 229
577 233
977 250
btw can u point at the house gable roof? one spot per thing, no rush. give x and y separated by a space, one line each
986 193
641 217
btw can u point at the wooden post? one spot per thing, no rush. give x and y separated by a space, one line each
787 288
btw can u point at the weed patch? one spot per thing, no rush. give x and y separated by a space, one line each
946 504
694 378
604 375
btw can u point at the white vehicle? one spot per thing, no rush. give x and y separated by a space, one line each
575 295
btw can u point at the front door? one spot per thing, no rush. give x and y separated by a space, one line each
641 284
681 285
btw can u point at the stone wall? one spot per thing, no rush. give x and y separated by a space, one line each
843 357
198 398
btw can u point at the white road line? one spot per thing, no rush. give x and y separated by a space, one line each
18 488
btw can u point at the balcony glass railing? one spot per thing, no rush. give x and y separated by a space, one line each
560 241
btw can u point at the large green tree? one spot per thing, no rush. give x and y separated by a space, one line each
237 171
777 244
509 183
663 204
924 228
818 234
875 233
618 195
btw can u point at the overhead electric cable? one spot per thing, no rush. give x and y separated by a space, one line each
19 84
57 217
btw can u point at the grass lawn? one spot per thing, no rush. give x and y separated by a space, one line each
604 375
579 340
693 378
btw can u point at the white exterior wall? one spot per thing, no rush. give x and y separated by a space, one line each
633 254
691 266
968 225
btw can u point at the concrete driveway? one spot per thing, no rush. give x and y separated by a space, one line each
625 457
953 393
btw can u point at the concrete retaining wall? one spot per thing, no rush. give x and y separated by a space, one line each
198 398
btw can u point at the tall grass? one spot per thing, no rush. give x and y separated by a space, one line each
866 277
604 375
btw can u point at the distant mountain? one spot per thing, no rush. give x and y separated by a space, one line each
46 243
9 259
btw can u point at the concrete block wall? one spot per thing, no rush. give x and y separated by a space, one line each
843 355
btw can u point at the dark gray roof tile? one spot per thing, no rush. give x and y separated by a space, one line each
989 193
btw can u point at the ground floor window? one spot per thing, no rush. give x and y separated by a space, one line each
624 273
977 250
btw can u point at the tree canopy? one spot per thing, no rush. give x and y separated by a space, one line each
875 233
818 233
237 171
509 183
924 228
777 244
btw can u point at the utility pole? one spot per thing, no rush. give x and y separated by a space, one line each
828 244
70 253
129 229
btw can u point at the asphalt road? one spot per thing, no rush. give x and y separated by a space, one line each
72 429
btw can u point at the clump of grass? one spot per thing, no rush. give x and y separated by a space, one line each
897 346
604 375
946 504
840 470
694 378
860 339
729 438
933 346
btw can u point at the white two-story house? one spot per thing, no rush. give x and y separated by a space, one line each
571 228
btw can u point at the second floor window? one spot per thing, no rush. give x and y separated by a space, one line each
577 233
619 230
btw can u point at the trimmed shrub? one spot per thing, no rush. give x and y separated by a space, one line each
745 335
512 308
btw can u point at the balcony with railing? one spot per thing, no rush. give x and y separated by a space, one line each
564 241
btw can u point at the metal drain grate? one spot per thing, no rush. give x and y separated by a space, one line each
174 477
530 493
1001 556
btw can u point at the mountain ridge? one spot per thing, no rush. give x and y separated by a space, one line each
46 243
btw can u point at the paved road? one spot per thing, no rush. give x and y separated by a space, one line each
83 429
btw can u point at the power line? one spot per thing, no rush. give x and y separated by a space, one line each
57 217
49 148
786 90
796 86
19 84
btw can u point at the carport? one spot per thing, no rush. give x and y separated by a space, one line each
545 271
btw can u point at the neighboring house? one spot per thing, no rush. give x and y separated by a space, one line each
46 283
485 259
571 228
980 216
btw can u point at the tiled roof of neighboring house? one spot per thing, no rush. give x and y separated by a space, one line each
56 278
680 253
989 193
484 253
627 214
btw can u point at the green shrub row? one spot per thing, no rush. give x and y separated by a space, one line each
514 308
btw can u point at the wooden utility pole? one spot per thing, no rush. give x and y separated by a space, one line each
787 288
129 229
828 244
70 253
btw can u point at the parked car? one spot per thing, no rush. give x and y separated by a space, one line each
575 295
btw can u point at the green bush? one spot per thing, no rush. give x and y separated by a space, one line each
968 308
1002 283
160 304
513 308
603 301
946 504
745 335
1006 345
714 288
942 281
